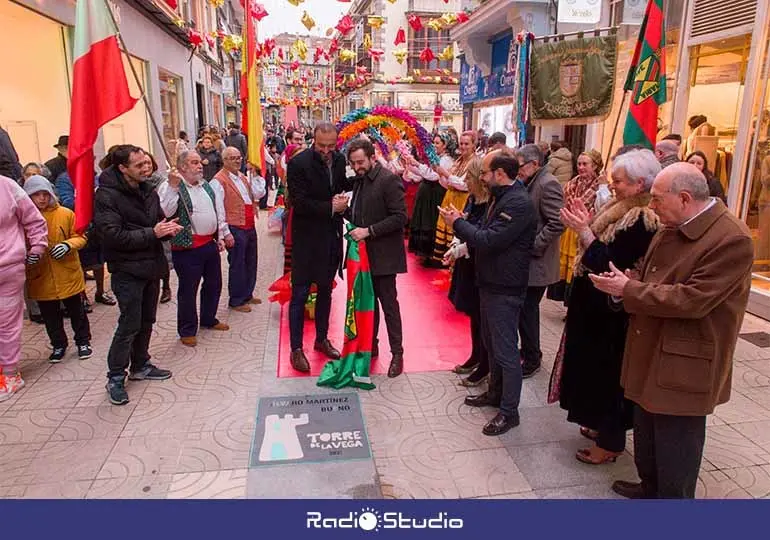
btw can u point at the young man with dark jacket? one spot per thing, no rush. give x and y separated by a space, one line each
503 250
378 211
131 226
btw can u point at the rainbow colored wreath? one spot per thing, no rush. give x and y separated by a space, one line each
385 126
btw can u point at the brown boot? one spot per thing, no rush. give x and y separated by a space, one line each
255 301
190 341
299 361
222 327
396 366
327 349
243 309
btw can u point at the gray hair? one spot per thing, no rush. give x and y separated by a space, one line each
667 148
230 150
181 159
530 152
687 177
638 166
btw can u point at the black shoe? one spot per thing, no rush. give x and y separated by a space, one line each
85 352
165 297
500 424
150 373
105 298
483 400
116 388
327 349
396 366
630 490
57 355
37 319
529 371
299 361
465 369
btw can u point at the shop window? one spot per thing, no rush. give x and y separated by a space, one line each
170 105
427 37
717 77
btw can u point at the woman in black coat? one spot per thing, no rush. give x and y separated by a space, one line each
588 364
699 159
463 292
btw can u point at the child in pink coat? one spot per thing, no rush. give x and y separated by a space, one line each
23 239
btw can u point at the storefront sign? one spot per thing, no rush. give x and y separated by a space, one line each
585 71
416 101
633 11
450 101
321 427
500 82
580 11
228 86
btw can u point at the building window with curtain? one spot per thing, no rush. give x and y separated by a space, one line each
427 37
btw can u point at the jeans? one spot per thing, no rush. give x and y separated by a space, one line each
192 265
668 451
242 262
54 321
499 319
299 294
138 304
529 326
386 295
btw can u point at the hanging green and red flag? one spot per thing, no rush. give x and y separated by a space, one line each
647 79
352 369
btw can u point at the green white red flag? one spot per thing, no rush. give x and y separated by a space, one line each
647 79
352 369
99 95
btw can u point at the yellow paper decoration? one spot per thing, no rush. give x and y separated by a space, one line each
179 22
231 43
299 48
375 21
295 2
346 55
367 42
437 79
400 55
435 24
449 19
217 3
308 21
447 54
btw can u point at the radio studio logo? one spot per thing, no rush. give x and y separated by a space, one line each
370 519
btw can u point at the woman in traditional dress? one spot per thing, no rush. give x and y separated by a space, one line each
584 187
455 182
422 228
463 292
587 367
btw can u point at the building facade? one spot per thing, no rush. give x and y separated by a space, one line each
184 89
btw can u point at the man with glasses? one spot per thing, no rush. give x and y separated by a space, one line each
240 195
317 183
503 249
548 199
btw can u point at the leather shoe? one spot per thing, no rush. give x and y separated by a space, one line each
500 424
189 341
630 490
327 349
396 366
483 400
299 361
528 371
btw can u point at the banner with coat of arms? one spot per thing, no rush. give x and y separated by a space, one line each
585 71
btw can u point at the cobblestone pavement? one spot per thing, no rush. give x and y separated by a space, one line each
190 437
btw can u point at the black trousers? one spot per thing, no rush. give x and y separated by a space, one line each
54 321
138 303
668 451
499 318
385 295
323 306
529 326
478 349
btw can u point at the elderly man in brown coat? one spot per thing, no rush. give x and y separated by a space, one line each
686 310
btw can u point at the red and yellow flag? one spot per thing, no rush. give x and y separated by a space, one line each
250 92
647 79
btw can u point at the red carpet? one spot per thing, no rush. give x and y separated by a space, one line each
436 336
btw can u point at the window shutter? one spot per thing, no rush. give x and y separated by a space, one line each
719 16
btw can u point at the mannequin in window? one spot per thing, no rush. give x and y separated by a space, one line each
700 127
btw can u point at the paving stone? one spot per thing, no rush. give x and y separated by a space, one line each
353 479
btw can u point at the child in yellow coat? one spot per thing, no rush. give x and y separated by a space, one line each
58 278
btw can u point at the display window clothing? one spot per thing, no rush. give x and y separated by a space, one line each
586 373
456 195
430 194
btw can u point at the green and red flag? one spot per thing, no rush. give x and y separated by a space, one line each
352 369
647 79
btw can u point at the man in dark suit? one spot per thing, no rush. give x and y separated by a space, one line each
317 182
379 213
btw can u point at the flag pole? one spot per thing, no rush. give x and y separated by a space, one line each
615 129
146 102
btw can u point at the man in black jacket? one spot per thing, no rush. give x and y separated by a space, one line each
317 182
378 211
130 224
503 250
9 159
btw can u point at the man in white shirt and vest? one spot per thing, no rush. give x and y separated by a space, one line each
240 196
195 250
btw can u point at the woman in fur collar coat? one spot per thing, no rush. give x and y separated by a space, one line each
587 368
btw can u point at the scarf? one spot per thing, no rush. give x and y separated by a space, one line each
461 165
616 216
582 188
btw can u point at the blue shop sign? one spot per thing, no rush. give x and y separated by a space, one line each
475 87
